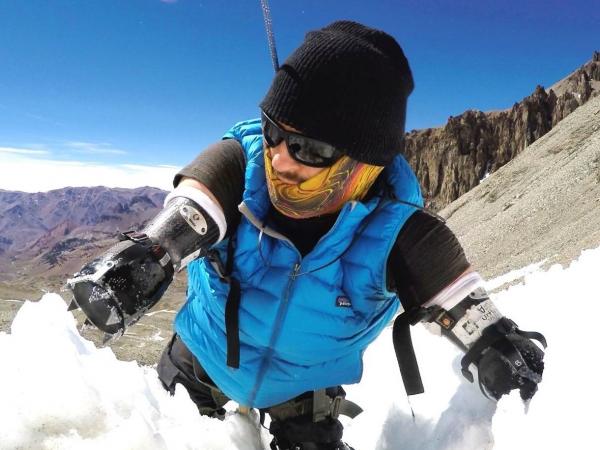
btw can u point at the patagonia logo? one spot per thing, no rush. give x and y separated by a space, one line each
343 302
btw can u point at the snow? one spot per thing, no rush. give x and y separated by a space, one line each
58 391
513 275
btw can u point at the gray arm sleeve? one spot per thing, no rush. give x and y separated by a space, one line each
220 167
425 259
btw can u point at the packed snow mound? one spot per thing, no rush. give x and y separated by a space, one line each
454 415
58 391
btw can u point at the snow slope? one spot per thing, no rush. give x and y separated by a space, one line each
57 391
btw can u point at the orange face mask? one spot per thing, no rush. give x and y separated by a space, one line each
325 193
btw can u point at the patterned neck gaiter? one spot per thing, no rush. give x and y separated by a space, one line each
325 193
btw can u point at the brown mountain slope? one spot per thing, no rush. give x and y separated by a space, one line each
542 205
451 160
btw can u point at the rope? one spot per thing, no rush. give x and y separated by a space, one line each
270 36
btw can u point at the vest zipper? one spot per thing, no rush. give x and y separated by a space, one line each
283 307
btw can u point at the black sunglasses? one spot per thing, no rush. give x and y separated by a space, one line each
305 150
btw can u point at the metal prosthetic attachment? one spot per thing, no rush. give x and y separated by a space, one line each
185 230
505 356
464 323
116 289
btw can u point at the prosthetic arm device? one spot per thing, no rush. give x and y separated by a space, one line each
436 285
117 288
505 356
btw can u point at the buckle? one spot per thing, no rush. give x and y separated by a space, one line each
335 407
419 313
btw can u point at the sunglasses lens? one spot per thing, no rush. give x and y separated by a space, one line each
269 140
271 133
312 152
305 150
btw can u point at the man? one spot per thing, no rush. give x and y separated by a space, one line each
303 234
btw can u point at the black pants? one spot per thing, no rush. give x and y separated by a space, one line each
178 365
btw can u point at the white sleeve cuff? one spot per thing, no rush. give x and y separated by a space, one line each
210 206
452 294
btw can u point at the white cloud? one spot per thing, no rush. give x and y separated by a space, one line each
100 148
23 151
25 172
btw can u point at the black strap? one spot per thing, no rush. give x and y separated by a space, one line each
232 307
229 262
232 324
405 353
232 312
413 313
533 335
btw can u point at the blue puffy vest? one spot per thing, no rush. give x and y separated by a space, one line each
304 322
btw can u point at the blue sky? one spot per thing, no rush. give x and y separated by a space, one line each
150 83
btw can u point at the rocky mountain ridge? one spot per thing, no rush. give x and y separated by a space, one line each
542 207
451 160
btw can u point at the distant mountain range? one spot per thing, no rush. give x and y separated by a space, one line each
52 233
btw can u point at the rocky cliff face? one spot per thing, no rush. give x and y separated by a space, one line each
542 207
451 160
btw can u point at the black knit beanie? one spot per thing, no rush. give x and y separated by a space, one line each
347 85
